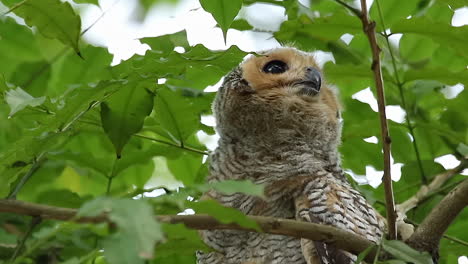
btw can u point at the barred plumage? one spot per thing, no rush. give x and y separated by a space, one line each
279 125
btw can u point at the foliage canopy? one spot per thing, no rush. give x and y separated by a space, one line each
78 132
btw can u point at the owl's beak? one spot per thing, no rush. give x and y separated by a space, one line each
311 82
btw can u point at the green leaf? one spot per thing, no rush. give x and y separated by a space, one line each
416 48
17 45
18 99
7 238
180 241
80 99
463 149
451 37
100 165
53 18
33 77
392 11
174 65
364 254
118 249
241 24
167 43
178 115
357 154
439 74
136 223
448 59
439 12
411 177
60 198
223 214
71 70
402 148
351 78
356 114
123 114
404 252
142 156
185 168
223 11
133 176
318 32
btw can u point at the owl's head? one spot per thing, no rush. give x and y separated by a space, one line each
279 89
284 70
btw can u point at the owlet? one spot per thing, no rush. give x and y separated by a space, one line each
279 125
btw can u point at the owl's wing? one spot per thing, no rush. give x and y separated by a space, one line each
327 200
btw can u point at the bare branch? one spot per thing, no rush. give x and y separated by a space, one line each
329 234
431 230
369 30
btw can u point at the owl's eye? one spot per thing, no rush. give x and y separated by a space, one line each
275 67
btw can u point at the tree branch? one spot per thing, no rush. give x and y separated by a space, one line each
431 230
426 190
369 30
329 234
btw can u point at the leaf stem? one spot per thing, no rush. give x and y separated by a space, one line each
99 18
14 7
111 176
402 96
376 258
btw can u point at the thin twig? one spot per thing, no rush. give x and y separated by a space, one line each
14 7
35 166
99 18
369 30
173 144
402 96
331 235
34 222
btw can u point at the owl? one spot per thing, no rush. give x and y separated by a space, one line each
279 125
